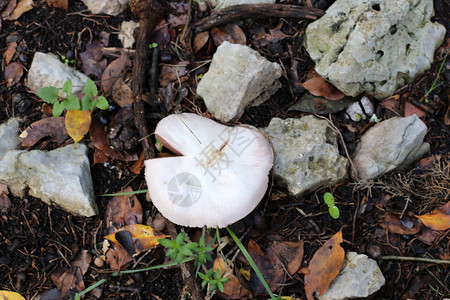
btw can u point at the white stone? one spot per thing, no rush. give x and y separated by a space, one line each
238 77
60 176
9 136
107 7
306 154
218 4
356 113
48 70
374 46
126 33
360 277
388 145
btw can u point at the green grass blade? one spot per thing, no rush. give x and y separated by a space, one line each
125 193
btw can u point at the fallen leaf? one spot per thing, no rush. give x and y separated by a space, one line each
122 93
22 7
52 127
139 164
92 60
219 36
270 266
438 219
83 261
324 266
6 12
236 33
275 35
5 203
175 21
289 252
232 289
200 40
117 257
100 140
68 281
13 73
113 71
411 109
123 210
8 295
100 157
64 4
428 236
77 124
144 237
318 86
407 225
9 52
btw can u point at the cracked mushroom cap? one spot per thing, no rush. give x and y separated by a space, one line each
220 177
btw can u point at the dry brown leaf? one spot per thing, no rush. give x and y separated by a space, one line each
93 62
5 203
117 257
123 210
22 7
289 252
324 266
13 73
144 237
428 236
438 219
52 127
83 261
270 266
407 225
100 157
236 33
232 289
6 12
9 52
219 36
139 164
77 124
68 281
122 93
411 109
64 4
113 71
318 86
175 21
100 140
200 40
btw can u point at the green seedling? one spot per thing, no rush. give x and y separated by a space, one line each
153 45
328 198
65 99
435 85
66 60
213 279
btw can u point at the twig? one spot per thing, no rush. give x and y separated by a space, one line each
244 11
420 259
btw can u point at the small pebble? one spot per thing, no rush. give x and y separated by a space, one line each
159 223
99 262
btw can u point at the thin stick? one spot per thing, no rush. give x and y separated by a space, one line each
420 259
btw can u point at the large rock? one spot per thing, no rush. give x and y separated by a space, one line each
306 154
60 176
9 136
107 7
374 46
389 145
225 3
359 278
238 77
48 70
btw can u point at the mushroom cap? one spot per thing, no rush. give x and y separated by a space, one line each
220 178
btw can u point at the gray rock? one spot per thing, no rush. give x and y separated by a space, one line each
60 176
320 105
225 3
306 154
126 33
9 136
374 45
107 7
238 77
48 70
360 277
388 145
356 112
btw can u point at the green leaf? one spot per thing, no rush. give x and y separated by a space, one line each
58 108
72 102
67 87
334 212
220 285
86 103
90 89
180 238
49 94
166 243
186 251
102 103
192 246
329 199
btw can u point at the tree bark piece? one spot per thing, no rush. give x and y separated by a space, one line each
237 12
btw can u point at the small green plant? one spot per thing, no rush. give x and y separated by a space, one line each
66 60
70 101
434 85
153 45
213 279
328 198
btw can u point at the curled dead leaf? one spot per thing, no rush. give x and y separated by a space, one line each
144 237
232 289
52 127
123 210
406 225
291 253
115 70
9 52
438 219
318 86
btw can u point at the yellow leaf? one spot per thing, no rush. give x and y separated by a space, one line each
144 237
232 287
77 124
438 219
7 295
246 273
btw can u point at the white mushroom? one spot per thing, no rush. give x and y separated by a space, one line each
220 177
